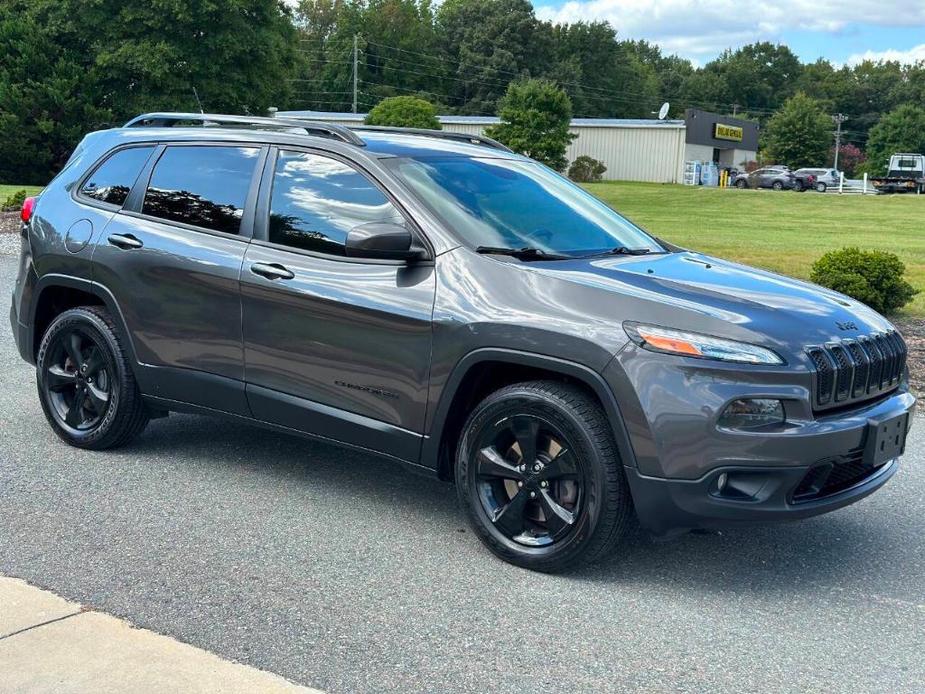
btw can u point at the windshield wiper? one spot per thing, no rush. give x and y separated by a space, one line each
525 253
620 250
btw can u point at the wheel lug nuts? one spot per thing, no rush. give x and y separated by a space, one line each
520 484
536 467
532 495
522 468
544 484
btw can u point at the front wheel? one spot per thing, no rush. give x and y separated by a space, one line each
821 187
741 184
539 476
85 382
777 185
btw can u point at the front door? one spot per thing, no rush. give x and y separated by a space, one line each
333 345
172 260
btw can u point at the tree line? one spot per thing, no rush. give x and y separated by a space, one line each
71 66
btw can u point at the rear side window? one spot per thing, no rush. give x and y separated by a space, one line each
114 178
203 186
316 201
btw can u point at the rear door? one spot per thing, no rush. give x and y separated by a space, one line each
334 345
172 260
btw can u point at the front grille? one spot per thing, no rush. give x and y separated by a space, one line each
859 369
833 476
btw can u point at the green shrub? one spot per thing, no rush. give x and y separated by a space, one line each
535 116
14 201
874 277
404 112
586 169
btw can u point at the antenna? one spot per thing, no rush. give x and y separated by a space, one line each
663 111
196 94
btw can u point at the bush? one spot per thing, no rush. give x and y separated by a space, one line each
14 201
404 112
874 277
535 116
586 169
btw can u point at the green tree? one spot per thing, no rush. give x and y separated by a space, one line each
488 43
535 116
900 130
404 112
799 134
71 66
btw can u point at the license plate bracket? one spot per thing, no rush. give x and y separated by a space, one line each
886 439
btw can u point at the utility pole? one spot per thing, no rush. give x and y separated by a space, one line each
839 118
354 73
735 109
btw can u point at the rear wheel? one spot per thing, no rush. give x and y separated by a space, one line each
85 382
539 476
741 184
798 186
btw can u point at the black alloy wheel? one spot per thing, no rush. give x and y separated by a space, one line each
539 476
529 482
77 382
85 381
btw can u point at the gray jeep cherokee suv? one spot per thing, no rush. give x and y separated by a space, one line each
441 301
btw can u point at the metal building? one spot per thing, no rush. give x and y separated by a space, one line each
631 149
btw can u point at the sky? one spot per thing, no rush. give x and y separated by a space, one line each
841 31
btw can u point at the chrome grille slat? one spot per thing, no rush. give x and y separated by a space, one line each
853 370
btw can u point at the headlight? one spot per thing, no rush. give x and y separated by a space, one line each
688 344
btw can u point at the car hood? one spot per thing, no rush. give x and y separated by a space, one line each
697 292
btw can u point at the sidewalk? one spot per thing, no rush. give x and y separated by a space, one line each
48 644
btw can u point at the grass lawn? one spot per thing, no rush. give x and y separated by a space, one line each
780 231
6 191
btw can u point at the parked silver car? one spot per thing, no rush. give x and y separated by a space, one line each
824 177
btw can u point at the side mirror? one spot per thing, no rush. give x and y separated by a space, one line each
384 240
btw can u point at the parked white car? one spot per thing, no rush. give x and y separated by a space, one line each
824 177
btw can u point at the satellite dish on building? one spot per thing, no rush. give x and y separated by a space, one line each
663 111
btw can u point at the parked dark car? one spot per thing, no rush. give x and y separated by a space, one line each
442 302
777 178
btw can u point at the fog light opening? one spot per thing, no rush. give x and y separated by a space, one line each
753 413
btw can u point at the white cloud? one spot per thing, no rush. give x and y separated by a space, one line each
702 28
913 55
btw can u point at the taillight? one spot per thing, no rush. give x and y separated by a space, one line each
28 206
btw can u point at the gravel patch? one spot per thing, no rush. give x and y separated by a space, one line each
9 222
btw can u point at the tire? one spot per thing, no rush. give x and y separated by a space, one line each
798 187
821 187
85 381
777 185
741 184
581 506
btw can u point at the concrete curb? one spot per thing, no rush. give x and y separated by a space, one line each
48 644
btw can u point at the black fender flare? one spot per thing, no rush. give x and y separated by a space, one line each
430 448
90 287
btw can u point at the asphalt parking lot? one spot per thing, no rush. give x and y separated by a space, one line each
344 573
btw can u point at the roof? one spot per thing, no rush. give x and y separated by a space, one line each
341 117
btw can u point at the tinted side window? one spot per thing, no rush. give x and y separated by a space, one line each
202 186
114 178
317 200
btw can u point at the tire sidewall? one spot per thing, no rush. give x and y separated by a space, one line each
821 187
95 326
527 402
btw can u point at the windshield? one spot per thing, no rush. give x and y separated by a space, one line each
509 203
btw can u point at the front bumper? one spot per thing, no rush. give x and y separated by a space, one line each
684 460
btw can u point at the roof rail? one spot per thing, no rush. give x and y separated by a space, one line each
442 134
166 120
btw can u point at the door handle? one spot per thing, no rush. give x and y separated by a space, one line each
272 271
125 241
